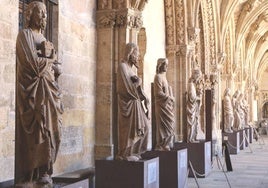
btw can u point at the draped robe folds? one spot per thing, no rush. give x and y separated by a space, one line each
164 112
228 113
132 119
192 112
38 109
237 120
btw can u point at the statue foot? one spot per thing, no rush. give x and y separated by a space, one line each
162 148
132 158
228 130
45 179
194 141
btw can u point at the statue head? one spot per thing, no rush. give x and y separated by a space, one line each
161 65
132 54
196 75
227 91
36 16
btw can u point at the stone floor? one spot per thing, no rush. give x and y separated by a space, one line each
250 169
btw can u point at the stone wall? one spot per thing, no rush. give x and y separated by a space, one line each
8 34
77 52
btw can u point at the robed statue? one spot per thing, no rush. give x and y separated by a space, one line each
133 108
228 112
38 101
193 107
164 108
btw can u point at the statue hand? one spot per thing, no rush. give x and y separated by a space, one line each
53 56
134 79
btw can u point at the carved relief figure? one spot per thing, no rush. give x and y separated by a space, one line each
164 108
237 120
38 106
228 112
133 109
194 99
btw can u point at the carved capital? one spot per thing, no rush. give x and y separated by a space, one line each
185 50
193 33
112 18
106 19
131 19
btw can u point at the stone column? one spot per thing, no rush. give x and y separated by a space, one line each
105 83
183 63
118 22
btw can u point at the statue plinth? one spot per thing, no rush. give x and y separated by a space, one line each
122 173
242 142
199 154
233 141
173 167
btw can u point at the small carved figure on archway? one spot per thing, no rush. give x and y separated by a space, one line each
39 106
164 108
133 118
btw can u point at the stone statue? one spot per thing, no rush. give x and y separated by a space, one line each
38 101
164 108
246 110
193 106
228 112
241 112
133 108
237 120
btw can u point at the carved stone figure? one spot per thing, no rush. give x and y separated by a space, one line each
133 109
39 107
241 112
194 101
237 120
228 112
246 110
164 108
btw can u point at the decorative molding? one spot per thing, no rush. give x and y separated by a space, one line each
185 51
112 18
212 40
180 22
106 19
193 34
169 22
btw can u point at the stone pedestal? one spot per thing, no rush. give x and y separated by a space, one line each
233 141
251 131
83 178
172 167
199 154
242 142
247 132
129 174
